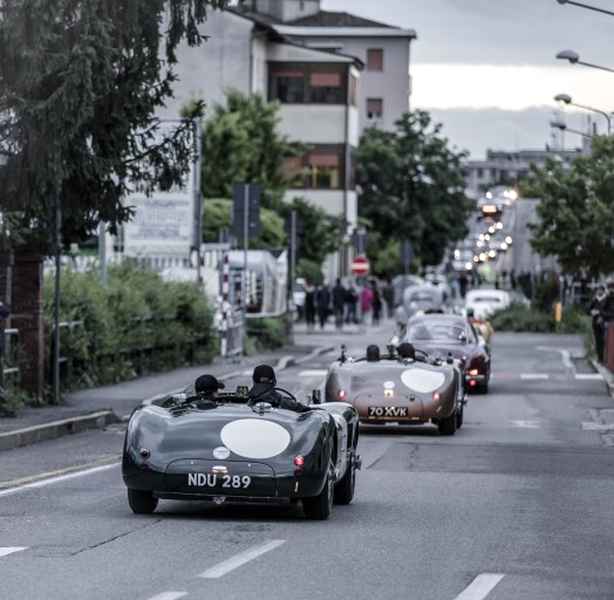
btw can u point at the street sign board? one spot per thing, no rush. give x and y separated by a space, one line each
361 266
246 195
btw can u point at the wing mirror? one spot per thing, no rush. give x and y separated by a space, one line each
316 397
343 358
394 341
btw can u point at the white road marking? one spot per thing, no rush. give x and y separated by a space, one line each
11 550
527 424
531 376
592 426
240 559
313 373
44 482
589 376
565 355
169 596
481 586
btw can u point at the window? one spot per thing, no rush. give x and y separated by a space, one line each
375 108
321 168
302 83
375 59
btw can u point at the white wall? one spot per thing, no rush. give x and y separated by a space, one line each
260 72
313 123
288 10
218 64
330 200
392 84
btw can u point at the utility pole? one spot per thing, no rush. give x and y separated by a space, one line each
56 299
102 252
198 198
245 249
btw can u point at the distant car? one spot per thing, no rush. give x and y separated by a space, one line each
405 391
419 299
485 302
453 335
229 451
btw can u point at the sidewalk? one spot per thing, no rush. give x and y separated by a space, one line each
98 407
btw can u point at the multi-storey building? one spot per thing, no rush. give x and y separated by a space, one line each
333 74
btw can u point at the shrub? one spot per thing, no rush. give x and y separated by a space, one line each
268 333
137 323
522 318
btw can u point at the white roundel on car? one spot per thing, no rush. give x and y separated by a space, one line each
422 381
255 438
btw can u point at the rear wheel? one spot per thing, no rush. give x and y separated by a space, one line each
483 387
141 502
344 490
447 426
460 417
320 507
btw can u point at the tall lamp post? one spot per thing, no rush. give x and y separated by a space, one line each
587 6
566 99
574 58
563 127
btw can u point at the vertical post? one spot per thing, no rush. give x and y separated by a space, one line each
293 250
102 252
56 299
198 198
245 248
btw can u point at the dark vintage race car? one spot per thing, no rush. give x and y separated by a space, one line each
453 334
399 388
228 451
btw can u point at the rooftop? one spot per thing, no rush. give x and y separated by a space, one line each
327 18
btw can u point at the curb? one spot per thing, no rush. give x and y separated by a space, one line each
605 373
101 419
56 429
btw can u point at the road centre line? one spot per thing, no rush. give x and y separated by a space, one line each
169 596
240 559
58 479
11 550
531 376
481 586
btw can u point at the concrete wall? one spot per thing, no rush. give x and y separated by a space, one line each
313 123
222 62
392 84
260 71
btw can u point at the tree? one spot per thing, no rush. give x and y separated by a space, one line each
412 188
241 143
576 212
80 83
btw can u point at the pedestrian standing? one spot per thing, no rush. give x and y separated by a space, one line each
377 303
323 304
4 315
366 303
388 296
463 283
351 302
310 306
338 303
596 308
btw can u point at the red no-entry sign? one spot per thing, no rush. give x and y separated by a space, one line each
361 266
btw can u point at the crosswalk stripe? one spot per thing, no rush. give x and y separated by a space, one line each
11 550
480 587
531 376
589 376
169 596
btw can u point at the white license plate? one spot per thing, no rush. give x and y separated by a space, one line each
213 480
388 412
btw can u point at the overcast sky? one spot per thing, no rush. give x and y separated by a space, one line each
487 68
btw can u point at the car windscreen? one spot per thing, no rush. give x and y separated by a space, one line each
434 331
488 299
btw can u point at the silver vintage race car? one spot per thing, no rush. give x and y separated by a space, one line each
406 386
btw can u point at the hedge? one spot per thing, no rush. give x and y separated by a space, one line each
137 323
522 318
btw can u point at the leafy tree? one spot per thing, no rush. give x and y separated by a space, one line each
241 143
412 188
217 217
576 212
80 81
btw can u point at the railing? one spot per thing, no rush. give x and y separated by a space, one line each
10 363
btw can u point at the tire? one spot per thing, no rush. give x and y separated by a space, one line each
142 503
483 388
447 426
320 507
460 417
344 490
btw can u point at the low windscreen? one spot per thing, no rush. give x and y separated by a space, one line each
434 331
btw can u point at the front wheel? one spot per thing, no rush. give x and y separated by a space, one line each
141 502
460 417
344 490
320 507
447 426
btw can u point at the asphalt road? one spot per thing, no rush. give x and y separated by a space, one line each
517 506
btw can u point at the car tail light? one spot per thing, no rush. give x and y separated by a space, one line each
436 397
299 461
472 383
342 395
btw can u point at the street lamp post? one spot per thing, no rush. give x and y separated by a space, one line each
563 127
587 6
566 99
574 58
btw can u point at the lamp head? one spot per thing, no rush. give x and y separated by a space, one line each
571 55
566 98
558 125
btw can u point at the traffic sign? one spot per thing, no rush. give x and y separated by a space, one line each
361 266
